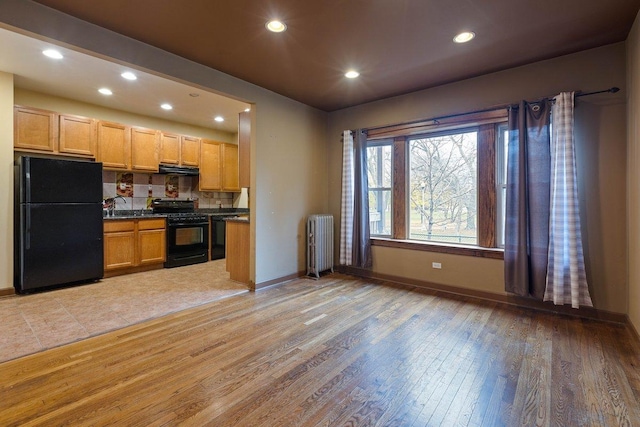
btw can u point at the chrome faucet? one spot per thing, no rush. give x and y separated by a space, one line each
110 204
118 197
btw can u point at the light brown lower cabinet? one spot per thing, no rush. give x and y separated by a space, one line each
151 241
119 244
237 247
132 244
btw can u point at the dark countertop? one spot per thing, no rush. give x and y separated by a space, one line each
237 219
146 213
119 215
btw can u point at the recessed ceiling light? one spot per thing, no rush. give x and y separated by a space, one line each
465 36
351 74
166 106
105 91
52 53
276 26
129 75
219 119
246 110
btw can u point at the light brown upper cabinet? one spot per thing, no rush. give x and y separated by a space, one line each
35 129
244 141
218 166
179 150
47 131
230 177
145 144
190 151
169 148
78 136
210 165
114 145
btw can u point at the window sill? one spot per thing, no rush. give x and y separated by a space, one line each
474 251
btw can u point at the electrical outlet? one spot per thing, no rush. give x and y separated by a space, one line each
436 265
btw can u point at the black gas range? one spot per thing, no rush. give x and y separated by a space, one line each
187 232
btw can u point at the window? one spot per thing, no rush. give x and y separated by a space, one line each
443 187
379 169
440 184
502 146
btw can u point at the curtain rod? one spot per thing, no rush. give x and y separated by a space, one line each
486 110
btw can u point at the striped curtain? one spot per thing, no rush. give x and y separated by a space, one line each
566 278
346 211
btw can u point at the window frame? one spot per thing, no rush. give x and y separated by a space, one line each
487 123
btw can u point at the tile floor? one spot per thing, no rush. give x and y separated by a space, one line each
31 323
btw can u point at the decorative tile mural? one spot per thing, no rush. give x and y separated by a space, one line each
124 184
171 186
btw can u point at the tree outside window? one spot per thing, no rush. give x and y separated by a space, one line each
443 188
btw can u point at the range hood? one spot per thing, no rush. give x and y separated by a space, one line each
178 170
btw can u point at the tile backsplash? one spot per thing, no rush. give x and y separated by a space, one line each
138 189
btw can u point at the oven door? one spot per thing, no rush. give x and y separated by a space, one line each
187 243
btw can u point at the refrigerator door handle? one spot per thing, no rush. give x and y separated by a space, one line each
27 180
27 231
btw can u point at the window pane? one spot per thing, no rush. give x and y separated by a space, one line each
373 166
386 166
443 188
379 175
379 166
380 212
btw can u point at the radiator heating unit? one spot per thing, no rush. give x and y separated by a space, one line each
319 244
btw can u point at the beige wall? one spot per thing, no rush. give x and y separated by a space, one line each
600 122
458 271
291 171
6 180
633 171
288 168
67 106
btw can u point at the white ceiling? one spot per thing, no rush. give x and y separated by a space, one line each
78 76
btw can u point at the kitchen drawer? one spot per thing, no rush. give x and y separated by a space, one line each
112 226
151 224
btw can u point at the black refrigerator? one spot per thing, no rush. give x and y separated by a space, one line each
58 223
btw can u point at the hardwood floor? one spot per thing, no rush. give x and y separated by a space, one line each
338 351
